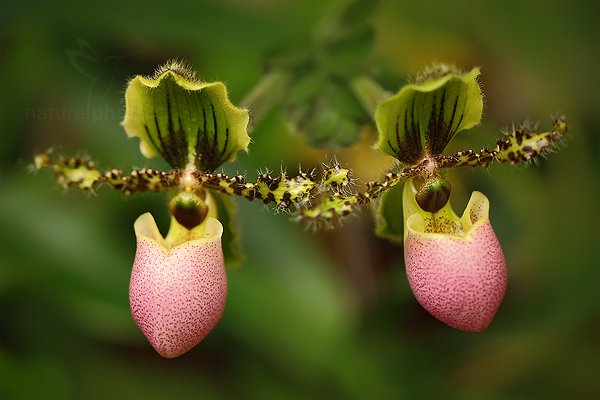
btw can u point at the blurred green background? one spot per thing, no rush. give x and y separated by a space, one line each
325 315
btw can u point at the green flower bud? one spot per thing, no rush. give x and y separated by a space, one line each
186 121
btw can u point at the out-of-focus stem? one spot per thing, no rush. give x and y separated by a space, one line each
368 92
267 93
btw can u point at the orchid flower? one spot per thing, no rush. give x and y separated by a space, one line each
178 283
178 288
455 266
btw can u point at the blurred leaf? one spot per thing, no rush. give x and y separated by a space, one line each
342 99
331 117
348 56
329 128
357 13
304 89
321 103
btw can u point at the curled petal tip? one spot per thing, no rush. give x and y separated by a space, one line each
459 278
177 295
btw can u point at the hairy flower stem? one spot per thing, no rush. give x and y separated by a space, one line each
319 201
522 144
282 190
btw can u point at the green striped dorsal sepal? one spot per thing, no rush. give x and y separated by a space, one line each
424 116
186 121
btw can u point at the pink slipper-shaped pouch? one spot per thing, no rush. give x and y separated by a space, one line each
178 286
455 267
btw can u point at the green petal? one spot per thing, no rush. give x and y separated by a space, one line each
184 120
389 222
423 117
232 250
